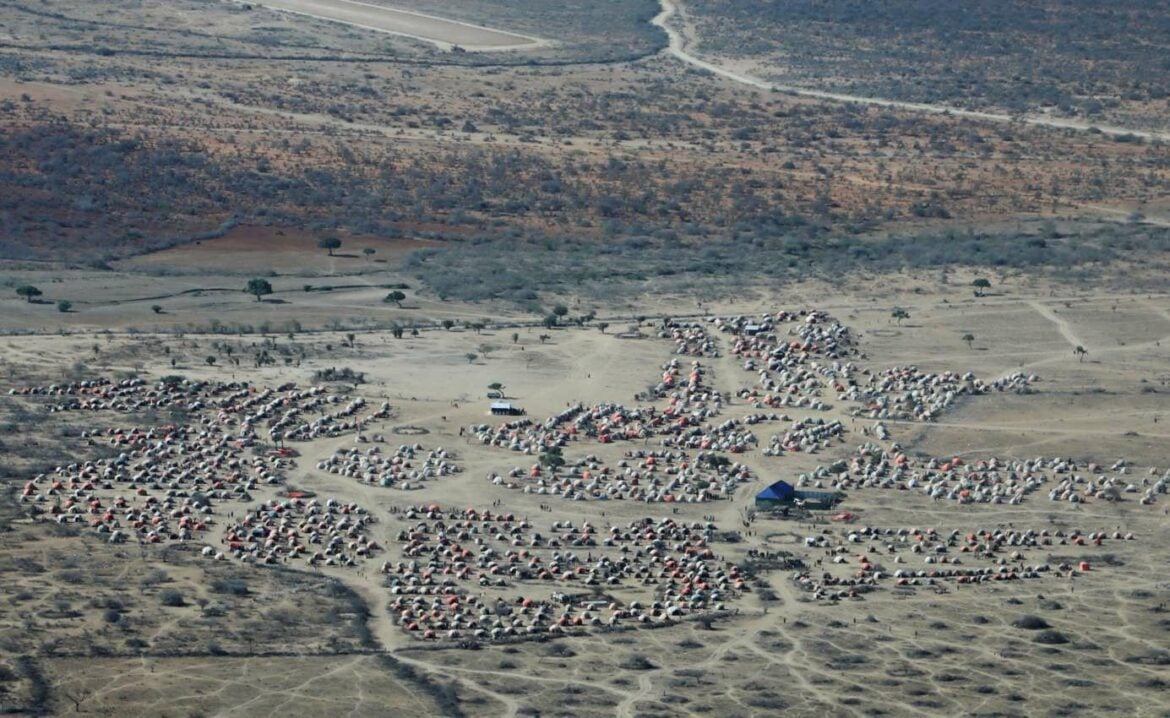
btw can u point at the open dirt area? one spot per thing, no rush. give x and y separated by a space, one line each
508 358
442 32
250 250
997 546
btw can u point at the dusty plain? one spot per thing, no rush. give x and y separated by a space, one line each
896 650
293 501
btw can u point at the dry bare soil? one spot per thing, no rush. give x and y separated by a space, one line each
298 639
205 507
444 33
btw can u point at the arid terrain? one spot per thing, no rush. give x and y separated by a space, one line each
267 268
444 34
241 639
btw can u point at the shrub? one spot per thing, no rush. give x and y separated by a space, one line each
234 586
171 597
1050 638
560 650
1030 623
637 662
154 577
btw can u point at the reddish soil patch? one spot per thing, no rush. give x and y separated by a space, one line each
250 248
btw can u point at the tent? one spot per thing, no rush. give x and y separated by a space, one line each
780 492
503 408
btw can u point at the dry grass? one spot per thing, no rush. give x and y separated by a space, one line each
896 651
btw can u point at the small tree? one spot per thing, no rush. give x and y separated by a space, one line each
471 357
448 323
329 243
477 327
210 360
369 252
77 696
515 337
550 321
900 313
560 311
395 297
1080 351
28 291
969 338
981 285
156 308
64 305
496 386
551 458
259 287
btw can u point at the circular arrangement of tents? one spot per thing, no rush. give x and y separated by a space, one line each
643 475
490 575
165 481
793 369
989 480
406 468
445 551
161 486
848 570
327 533
908 393
690 338
808 436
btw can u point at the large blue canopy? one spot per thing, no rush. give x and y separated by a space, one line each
779 491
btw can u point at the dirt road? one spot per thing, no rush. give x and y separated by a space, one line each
678 48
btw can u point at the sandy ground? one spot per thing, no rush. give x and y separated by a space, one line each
442 32
903 652
264 250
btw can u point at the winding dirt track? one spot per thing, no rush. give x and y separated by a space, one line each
678 48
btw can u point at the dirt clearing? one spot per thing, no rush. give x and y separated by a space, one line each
442 32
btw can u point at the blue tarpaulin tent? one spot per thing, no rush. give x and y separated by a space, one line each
782 493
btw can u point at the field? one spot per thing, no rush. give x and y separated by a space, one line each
445 34
1091 641
427 358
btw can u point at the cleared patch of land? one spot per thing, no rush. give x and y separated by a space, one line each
255 249
80 634
440 31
